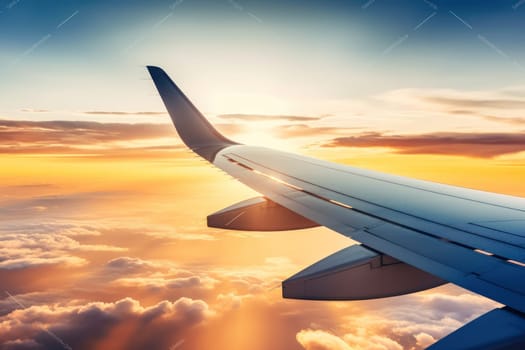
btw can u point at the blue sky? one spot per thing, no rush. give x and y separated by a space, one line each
89 55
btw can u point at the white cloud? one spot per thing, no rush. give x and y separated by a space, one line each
320 340
81 326
424 340
20 249
204 282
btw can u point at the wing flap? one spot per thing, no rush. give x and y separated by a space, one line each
357 273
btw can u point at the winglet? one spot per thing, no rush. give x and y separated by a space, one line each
193 128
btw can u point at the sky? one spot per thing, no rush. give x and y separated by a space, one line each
103 237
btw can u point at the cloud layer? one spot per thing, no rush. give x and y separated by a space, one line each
481 145
87 138
137 268
399 327
91 325
266 117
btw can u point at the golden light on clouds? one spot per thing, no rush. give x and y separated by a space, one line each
104 235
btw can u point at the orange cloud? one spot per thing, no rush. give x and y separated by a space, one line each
508 120
82 132
91 138
481 145
229 129
320 340
303 130
378 327
466 102
83 326
80 137
28 246
156 210
266 117
126 264
145 113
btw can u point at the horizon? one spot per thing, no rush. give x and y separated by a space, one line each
104 240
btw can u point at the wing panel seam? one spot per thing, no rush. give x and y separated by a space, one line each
343 205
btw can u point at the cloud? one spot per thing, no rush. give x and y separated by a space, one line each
320 340
303 130
265 117
185 236
19 344
273 269
22 250
491 118
112 113
24 243
126 264
144 113
34 110
8 305
461 307
480 145
424 340
84 138
450 99
438 314
166 232
477 103
504 106
231 300
508 120
363 340
21 259
87 138
164 282
230 129
155 276
52 205
29 131
65 228
371 341
87 326
393 324
388 324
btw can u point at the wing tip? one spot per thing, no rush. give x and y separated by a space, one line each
154 69
193 128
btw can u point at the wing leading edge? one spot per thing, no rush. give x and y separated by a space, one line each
471 238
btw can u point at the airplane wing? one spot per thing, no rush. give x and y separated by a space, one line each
414 234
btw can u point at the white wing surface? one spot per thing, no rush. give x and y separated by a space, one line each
414 234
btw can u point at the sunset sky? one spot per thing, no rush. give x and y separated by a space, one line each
103 237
